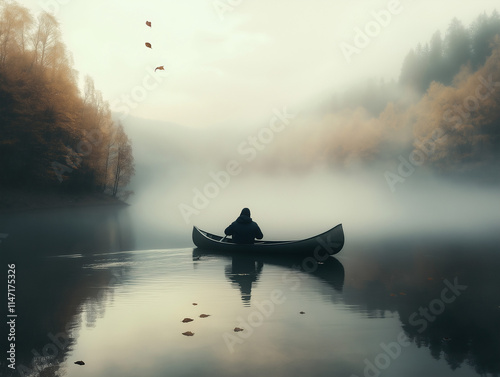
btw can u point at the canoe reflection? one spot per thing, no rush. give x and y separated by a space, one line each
245 269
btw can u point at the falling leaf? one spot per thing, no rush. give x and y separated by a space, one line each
188 333
402 293
204 315
79 362
302 312
393 295
148 45
186 320
194 303
161 68
237 329
430 279
148 23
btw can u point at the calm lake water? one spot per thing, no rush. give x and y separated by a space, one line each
92 285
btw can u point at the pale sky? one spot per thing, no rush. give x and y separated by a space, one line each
233 61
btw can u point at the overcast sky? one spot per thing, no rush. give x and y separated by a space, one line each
233 61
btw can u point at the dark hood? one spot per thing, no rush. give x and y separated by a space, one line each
243 219
245 212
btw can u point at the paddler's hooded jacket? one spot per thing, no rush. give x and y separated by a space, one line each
244 230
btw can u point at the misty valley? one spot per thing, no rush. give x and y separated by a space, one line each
236 188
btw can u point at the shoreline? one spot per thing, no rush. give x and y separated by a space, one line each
14 201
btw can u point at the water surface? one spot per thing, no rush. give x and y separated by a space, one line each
88 288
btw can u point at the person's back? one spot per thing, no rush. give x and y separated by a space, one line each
244 230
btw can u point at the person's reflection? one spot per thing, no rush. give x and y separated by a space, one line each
243 272
245 269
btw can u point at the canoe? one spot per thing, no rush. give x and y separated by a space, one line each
329 242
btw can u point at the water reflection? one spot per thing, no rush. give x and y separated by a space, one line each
52 295
243 272
51 292
445 295
67 231
105 305
246 268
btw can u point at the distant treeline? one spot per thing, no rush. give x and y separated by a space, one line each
51 135
442 112
439 60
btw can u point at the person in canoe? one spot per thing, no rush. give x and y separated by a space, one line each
244 230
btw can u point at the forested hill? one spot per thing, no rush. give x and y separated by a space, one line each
51 135
438 60
442 112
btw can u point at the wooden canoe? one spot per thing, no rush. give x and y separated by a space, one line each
330 242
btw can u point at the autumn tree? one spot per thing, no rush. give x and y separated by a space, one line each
51 135
122 161
15 25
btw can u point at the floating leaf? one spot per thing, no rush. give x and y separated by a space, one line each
186 320
204 315
237 329
148 45
148 23
79 362
188 333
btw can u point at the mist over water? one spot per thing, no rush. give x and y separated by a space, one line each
290 202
